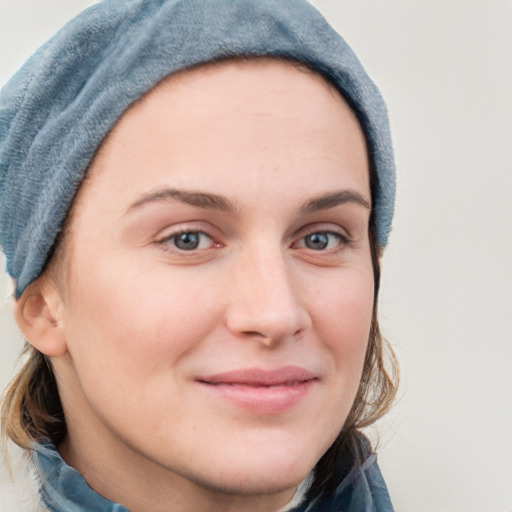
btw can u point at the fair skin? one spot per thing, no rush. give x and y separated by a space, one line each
209 332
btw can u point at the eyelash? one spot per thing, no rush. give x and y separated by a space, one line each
169 242
166 242
342 240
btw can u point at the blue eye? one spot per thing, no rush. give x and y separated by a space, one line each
190 240
321 240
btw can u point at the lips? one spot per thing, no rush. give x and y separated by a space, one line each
259 390
258 377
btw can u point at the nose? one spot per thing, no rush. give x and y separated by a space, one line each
265 299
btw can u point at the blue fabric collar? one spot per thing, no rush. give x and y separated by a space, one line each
63 489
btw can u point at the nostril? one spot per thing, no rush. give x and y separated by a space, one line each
254 333
270 340
264 339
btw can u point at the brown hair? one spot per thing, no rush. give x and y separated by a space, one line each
31 409
375 396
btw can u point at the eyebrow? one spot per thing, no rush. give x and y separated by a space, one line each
218 202
199 199
332 199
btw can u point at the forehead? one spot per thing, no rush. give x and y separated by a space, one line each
213 92
229 73
239 116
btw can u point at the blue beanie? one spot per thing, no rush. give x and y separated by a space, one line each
56 110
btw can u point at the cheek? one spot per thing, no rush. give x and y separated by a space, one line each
345 302
343 314
129 333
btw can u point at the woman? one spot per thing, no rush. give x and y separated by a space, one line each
194 200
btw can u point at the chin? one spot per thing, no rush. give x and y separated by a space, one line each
264 481
271 469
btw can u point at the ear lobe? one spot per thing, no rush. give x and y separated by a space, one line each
38 313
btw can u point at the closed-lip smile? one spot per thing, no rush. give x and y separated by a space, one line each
260 390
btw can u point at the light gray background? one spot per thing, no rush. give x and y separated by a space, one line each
445 69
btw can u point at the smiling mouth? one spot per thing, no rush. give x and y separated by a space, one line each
261 391
257 385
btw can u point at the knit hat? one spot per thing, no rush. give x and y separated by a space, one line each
57 109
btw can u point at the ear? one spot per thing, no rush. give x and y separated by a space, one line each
39 315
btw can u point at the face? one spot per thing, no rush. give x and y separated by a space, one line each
219 285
